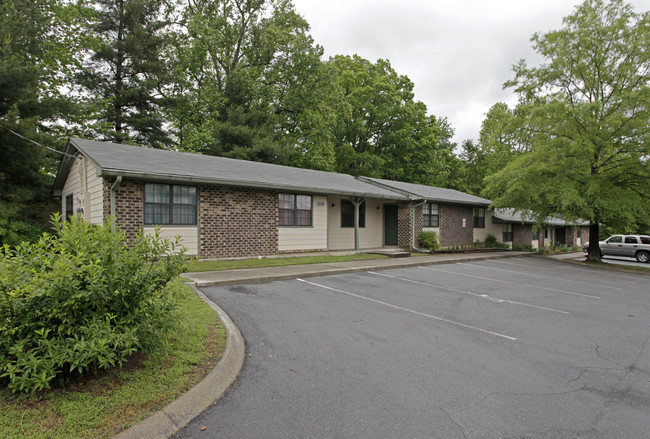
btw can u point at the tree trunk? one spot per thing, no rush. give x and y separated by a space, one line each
594 249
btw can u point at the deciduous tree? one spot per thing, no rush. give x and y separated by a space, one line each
587 113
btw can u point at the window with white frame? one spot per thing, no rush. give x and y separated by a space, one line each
430 215
295 210
169 204
479 217
507 233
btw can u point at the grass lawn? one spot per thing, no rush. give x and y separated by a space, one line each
104 405
199 265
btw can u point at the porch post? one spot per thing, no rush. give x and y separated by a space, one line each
356 202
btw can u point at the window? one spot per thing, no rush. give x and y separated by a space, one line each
295 210
69 211
631 240
169 204
615 239
430 215
347 214
507 233
645 239
545 233
479 217
536 235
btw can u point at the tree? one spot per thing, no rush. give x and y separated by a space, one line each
586 111
125 75
243 66
368 123
35 54
501 140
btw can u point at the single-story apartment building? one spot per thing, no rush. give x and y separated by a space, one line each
228 208
517 229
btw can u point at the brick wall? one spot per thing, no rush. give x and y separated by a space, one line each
452 231
128 205
584 234
570 235
522 234
404 224
237 222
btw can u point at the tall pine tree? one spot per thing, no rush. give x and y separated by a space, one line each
125 75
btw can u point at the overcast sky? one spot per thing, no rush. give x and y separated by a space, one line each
458 53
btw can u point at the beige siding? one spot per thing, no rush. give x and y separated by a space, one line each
86 189
95 195
370 236
189 236
490 228
307 238
72 186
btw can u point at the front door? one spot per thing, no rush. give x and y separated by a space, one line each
390 224
560 236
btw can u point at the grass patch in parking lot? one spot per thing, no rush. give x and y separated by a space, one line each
220 265
106 404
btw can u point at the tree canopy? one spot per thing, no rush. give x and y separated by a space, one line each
586 114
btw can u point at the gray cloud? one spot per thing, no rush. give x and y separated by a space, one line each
457 52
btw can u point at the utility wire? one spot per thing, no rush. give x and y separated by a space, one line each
35 142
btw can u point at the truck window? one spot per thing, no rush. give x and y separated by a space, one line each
645 239
631 240
615 239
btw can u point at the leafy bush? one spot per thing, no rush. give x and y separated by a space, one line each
523 248
81 301
491 241
428 240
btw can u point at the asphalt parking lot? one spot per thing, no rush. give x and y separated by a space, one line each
514 348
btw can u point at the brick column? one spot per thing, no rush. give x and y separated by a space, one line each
129 205
405 223
452 231
522 234
237 222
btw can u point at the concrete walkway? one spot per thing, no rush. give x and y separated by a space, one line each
268 274
165 423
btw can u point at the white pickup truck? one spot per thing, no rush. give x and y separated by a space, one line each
633 246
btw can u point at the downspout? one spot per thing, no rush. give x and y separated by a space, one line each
118 182
413 228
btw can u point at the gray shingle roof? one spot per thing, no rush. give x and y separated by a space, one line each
149 163
510 216
432 193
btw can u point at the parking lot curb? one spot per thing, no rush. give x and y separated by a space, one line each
177 414
351 268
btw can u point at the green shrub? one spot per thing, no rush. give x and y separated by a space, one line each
491 241
428 240
82 300
523 248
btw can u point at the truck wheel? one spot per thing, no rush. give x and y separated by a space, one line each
643 256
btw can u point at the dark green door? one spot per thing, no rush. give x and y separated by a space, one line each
390 224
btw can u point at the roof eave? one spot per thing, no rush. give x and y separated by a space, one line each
222 182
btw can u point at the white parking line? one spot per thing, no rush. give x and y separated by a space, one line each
512 283
543 277
440 319
481 296
554 269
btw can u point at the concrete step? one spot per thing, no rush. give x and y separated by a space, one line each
391 253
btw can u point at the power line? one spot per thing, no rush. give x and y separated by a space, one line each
35 142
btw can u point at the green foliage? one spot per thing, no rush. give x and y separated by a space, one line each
491 240
428 240
81 301
523 248
125 72
587 115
